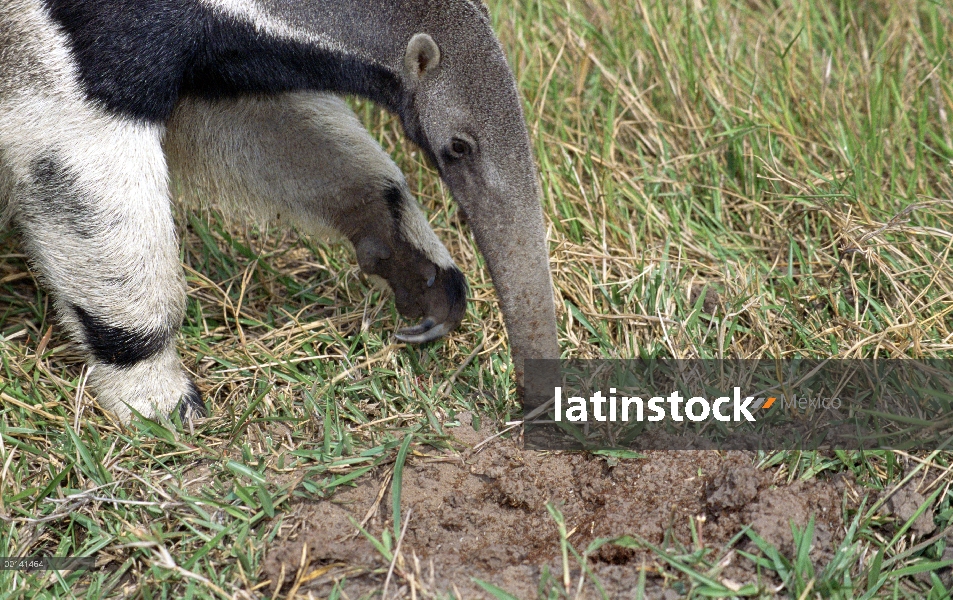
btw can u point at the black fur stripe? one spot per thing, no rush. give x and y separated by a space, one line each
395 204
131 54
454 286
118 346
58 197
136 57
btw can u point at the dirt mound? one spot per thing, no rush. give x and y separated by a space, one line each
482 514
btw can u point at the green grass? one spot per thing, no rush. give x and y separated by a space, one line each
794 160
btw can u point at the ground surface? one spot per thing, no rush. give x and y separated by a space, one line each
734 178
482 514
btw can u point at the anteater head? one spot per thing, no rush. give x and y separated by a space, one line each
462 108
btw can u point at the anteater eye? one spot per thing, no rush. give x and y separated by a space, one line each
459 148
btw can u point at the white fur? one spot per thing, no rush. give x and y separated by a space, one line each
254 12
152 387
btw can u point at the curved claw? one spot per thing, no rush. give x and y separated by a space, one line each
417 329
427 331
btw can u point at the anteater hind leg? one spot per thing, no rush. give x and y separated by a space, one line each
306 158
91 199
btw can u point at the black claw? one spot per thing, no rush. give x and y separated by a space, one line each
192 406
427 331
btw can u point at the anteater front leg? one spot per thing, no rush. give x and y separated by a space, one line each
306 158
92 202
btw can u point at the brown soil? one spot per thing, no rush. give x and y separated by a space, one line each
482 514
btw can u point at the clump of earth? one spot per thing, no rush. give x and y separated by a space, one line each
482 514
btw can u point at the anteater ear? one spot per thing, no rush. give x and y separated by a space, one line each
422 56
